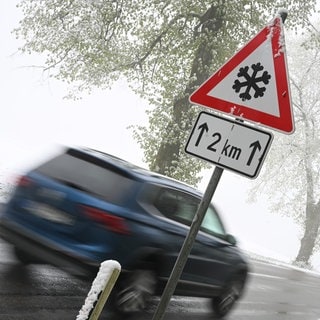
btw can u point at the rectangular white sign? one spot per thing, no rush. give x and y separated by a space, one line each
229 144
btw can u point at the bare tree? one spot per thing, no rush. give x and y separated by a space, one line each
291 175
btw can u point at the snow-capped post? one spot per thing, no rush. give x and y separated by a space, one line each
100 290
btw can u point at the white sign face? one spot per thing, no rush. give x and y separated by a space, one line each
229 144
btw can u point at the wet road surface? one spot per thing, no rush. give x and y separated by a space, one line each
44 292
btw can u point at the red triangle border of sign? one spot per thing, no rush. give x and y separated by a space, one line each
282 123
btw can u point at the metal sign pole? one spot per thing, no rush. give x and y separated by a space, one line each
187 245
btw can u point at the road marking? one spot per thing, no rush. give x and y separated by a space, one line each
261 275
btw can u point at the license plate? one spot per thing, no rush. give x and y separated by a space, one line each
49 213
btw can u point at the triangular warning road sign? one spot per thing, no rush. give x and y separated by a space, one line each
253 84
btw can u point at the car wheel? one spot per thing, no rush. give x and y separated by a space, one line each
223 304
134 291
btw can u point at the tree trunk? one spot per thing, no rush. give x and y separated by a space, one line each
312 223
167 158
312 220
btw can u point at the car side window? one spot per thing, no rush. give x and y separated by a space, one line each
176 205
182 207
211 223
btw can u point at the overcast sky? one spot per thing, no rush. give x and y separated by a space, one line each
35 119
35 116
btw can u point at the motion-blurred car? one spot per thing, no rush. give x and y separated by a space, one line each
83 207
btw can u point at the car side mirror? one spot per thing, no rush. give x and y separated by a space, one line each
231 239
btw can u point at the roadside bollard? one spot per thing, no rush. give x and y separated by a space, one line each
100 290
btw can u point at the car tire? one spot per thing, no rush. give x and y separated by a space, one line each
134 291
224 303
23 257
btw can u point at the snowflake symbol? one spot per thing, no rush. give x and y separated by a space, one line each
251 82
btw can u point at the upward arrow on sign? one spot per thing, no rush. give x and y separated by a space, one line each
253 84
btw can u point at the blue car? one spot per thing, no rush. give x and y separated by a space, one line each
83 207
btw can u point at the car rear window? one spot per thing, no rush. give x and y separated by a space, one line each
88 176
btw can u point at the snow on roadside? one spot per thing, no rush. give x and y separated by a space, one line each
281 263
261 254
